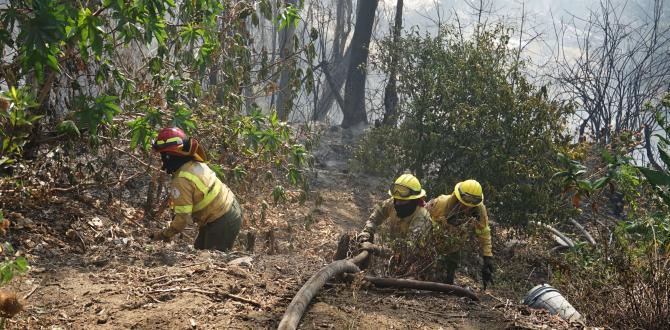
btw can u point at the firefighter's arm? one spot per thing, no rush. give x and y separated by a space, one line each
182 204
437 208
379 214
483 232
421 226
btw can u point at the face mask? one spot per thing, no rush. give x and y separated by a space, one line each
172 163
405 210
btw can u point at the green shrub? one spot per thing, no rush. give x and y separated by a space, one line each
623 283
16 123
468 112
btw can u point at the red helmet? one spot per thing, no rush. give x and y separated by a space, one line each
170 140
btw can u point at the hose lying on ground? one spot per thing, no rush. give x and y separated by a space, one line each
309 290
562 239
586 233
419 285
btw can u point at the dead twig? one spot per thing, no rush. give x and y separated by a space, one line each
194 264
31 292
176 280
209 293
460 315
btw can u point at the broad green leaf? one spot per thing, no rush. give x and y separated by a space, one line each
655 177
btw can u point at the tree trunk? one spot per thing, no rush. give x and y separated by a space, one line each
331 90
390 92
354 91
284 94
336 71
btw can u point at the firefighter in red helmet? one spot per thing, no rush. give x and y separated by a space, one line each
197 195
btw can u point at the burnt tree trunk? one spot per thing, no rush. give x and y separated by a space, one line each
336 70
354 90
285 92
391 92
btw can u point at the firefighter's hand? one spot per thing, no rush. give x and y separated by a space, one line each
367 246
363 237
158 236
487 271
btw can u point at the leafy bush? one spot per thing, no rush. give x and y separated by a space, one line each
10 266
468 112
623 284
660 179
16 123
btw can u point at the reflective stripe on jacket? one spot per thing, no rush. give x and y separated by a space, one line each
456 221
412 226
197 196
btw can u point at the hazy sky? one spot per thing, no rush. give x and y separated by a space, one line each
541 16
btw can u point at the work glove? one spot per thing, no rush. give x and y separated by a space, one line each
363 237
158 236
487 271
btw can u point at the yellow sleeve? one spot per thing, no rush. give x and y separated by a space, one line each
421 225
437 207
181 191
380 213
483 232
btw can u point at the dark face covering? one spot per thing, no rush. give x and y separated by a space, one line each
407 209
172 163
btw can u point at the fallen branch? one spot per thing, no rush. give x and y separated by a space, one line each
419 285
565 240
588 236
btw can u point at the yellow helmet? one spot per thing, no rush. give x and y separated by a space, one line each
406 187
469 192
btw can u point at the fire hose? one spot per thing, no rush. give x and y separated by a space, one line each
311 288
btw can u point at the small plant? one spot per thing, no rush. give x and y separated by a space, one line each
9 268
278 194
16 123
660 179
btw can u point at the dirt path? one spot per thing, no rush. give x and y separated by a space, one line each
120 280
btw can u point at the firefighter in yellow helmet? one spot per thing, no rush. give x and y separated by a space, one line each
197 195
457 215
404 212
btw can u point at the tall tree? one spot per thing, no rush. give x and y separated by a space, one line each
284 94
335 70
390 92
354 91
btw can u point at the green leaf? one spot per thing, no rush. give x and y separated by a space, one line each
68 127
21 264
664 157
600 182
655 177
585 185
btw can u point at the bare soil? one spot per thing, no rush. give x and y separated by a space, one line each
92 266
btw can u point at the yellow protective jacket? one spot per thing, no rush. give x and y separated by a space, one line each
456 222
412 227
197 195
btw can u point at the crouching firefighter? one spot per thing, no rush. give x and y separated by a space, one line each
197 195
403 213
457 215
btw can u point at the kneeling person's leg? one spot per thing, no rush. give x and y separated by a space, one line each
220 234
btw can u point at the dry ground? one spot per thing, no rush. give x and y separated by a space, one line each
93 267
